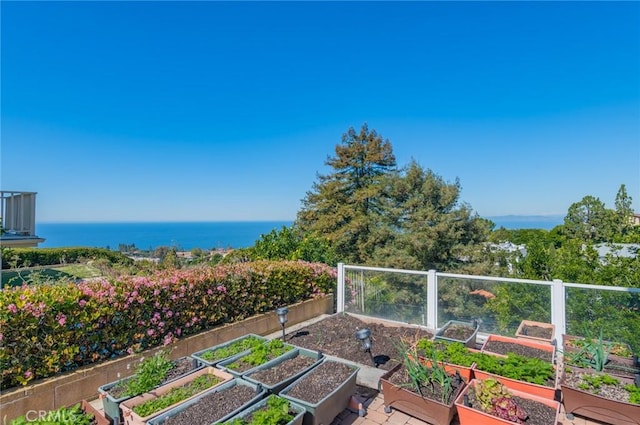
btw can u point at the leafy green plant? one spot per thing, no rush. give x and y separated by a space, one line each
65 415
276 412
634 393
590 353
149 374
514 366
262 354
495 399
232 349
177 394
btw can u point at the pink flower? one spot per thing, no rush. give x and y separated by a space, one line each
221 288
12 308
150 332
82 303
61 318
28 374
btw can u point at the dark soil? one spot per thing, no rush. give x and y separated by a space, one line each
501 347
320 382
282 371
537 331
213 407
458 332
182 367
538 413
401 379
335 336
620 367
574 377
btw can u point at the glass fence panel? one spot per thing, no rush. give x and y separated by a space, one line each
387 295
498 306
615 315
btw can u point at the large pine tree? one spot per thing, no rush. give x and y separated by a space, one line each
375 214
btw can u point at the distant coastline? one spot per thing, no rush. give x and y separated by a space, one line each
206 235
181 235
546 222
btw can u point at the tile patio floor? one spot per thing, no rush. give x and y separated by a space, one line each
375 415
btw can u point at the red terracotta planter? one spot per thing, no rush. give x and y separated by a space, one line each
529 343
471 416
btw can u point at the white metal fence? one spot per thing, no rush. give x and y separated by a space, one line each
431 298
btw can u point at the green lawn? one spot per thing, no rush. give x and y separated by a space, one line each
71 271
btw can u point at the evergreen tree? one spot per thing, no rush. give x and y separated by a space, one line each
342 206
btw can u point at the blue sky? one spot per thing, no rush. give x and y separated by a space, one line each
206 111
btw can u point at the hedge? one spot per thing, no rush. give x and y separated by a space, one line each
49 329
31 257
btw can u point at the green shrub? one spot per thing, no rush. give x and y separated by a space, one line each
49 329
31 257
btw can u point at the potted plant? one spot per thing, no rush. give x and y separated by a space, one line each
138 410
424 392
260 354
150 373
600 396
488 402
453 356
273 410
213 355
597 354
459 331
536 331
278 373
324 392
215 405
528 374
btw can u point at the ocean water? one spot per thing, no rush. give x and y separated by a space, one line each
183 236
546 222
205 235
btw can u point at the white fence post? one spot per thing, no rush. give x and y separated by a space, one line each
432 300
340 289
558 310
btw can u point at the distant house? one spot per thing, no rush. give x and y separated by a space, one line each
621 250
635 219
18 219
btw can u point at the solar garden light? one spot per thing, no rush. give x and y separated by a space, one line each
364 336
282 318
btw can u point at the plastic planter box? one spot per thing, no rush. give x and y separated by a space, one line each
224 365
259 395
111 405
324 411
293 407
470 342
276 388
132 418
198 355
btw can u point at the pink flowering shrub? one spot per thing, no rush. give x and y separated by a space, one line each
49 329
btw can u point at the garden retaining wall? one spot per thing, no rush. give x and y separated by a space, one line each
83 383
